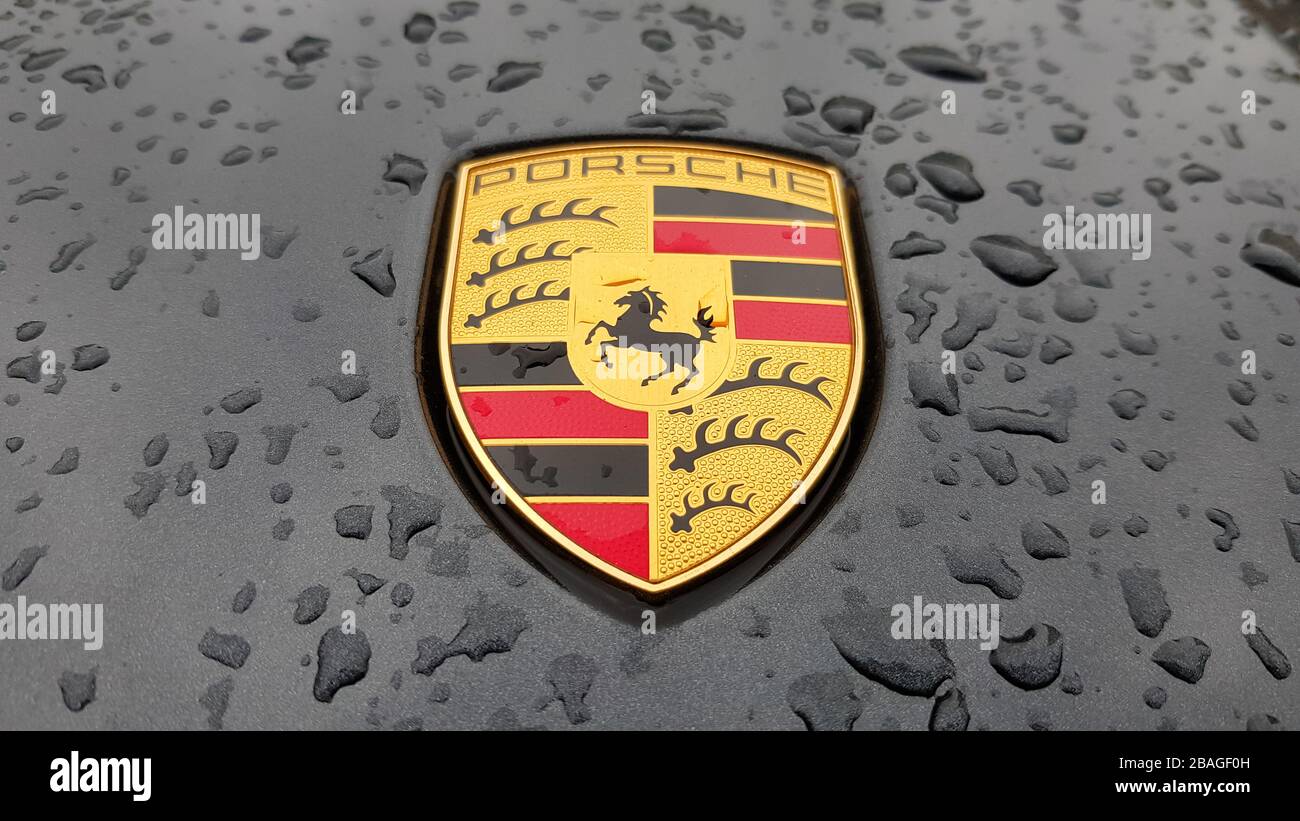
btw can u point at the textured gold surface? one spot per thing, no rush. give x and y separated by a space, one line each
773 476
545 320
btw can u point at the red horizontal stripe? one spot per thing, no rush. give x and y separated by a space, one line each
549 415
745 240
792 321
616 532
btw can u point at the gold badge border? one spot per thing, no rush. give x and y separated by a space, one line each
450 229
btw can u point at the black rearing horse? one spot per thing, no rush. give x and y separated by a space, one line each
632 331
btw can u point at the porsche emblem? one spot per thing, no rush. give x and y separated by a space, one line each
650 351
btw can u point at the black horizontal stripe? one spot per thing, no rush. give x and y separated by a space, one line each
793 279
674 201
575 470
512 363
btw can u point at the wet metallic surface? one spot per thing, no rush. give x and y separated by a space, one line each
1158 86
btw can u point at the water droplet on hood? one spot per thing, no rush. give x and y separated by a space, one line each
1275 253
511 75
951 175
1012 259
942 64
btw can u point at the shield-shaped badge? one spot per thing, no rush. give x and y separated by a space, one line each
650 351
